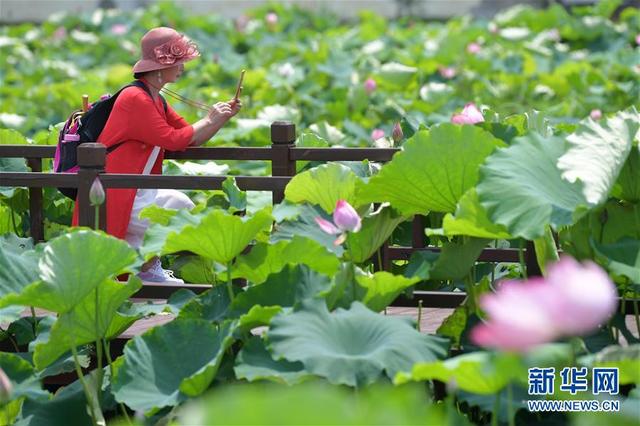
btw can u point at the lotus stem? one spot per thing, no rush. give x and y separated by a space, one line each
107 352
13 221
99 372
470 283
353 281
97 218
496 410
635 308
419 314
35 321
523 267
229 284
87 392
510 414
13 342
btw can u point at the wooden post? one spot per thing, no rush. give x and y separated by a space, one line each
531 262
417 234
91 159
283 138
35 204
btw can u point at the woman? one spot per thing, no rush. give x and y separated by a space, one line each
141 127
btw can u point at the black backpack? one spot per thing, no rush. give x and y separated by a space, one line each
86 127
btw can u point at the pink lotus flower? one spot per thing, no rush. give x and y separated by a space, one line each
60 33
469 115
377 134
397 134
447 72
573 300
474 48
272 20
595 114
370 85
638 39
118 29
345 219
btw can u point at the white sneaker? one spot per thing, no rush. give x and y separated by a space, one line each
156 274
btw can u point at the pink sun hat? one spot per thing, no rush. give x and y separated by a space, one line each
164 47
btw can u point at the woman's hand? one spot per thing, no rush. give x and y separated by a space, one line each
220 113
223 111
217 117
236 105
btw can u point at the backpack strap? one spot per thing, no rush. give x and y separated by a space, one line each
141 85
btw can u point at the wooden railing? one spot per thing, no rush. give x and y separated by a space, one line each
283 155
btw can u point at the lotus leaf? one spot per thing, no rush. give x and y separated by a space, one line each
354 347
435 168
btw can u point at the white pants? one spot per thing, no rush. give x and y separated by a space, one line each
165 198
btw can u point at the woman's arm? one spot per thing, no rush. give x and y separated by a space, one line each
205 128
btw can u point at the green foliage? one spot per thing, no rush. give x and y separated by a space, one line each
534 166
154 373
505 189
324 186
265 259
255 362
376 229
606 146
286 288
213 234
353 347
80 326
315 403
65 279
381 288
478 372
433 171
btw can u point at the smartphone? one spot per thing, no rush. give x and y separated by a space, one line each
239 88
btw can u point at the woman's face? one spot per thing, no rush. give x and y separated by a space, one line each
169 75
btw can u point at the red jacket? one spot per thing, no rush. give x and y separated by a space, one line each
141 124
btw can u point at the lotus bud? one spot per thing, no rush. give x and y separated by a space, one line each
60 33
96 193
370 85
469 115
447 72
286 70
474 48
377 134
346 217
595 114
118 29
6 388
638 39
397 134
272 20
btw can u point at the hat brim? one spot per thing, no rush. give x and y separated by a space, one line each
145 65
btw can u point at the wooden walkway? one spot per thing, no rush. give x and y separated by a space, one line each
429 323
